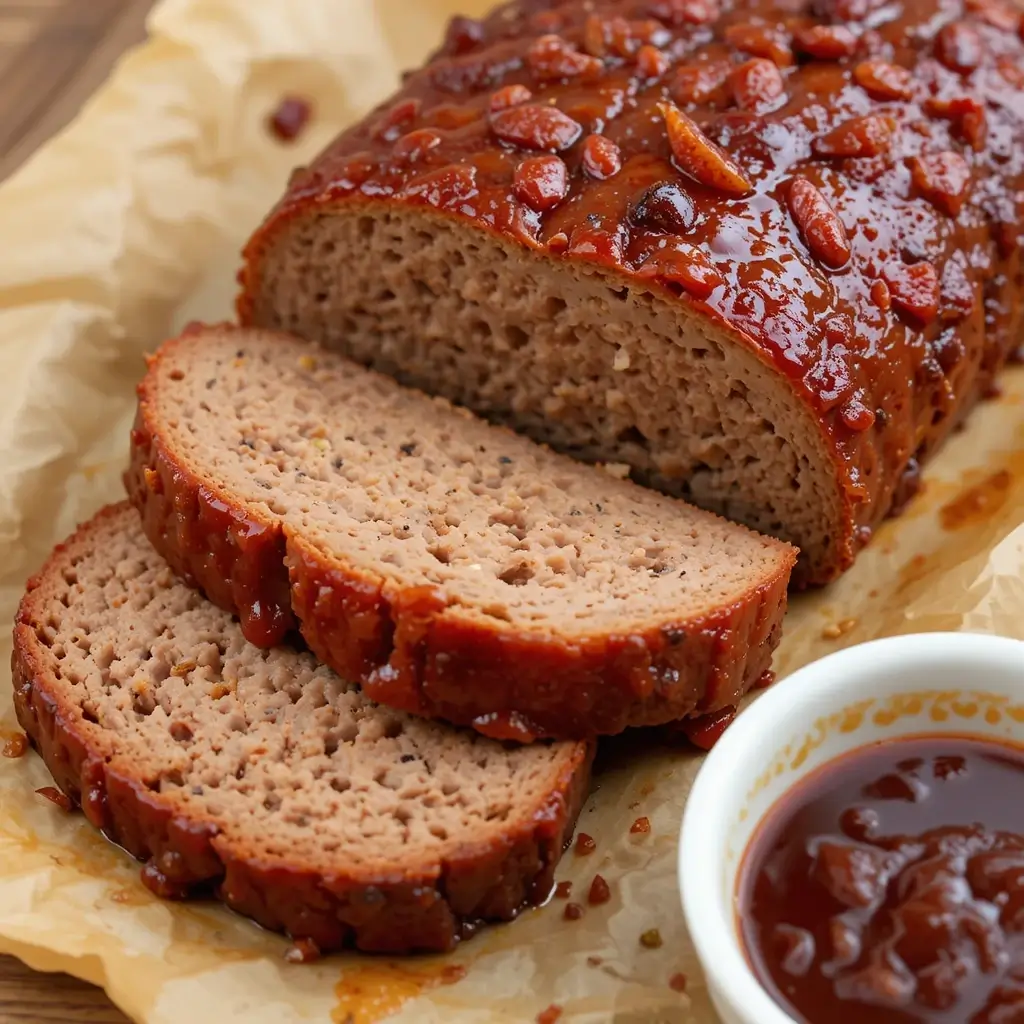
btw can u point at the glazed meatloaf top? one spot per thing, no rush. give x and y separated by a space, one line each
263 774
453 567
765 252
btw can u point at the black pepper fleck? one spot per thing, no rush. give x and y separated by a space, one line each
673 634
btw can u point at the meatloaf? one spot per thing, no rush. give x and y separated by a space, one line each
261 775
765 252
455 569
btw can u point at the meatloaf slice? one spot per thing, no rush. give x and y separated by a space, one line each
263 776
457 570
767 253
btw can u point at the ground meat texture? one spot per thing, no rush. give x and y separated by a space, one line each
454 569
262 776
721 243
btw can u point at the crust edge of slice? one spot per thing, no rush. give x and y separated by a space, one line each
426 910
407 647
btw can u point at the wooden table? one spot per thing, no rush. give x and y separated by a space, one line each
30 998
53 55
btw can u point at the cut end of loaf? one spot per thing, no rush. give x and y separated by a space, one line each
599 367
292 769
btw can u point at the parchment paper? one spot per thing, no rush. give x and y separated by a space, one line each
129 225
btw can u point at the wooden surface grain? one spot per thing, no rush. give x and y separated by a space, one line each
26 996
53 55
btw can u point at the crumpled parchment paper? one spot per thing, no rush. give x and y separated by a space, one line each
129 225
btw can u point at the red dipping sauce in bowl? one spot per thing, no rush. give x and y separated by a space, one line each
887 887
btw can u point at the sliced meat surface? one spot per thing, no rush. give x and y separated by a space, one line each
455 569
765 252
264 777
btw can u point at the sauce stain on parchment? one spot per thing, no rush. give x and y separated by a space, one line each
977 503
919 567
13 743
835 630
373 992
132 896
197 931
86 852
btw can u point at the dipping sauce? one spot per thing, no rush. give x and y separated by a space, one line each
888 887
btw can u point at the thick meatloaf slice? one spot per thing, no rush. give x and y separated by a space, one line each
457 570
261 775
765 252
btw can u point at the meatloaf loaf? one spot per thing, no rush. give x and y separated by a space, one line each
766 252
261 775
456 569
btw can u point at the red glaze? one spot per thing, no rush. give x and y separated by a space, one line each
706 731
584 844
55 796
599 892
290 118
303 951
889 887
184 857
903 122
411 653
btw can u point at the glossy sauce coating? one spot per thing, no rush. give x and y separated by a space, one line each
838 183
889 886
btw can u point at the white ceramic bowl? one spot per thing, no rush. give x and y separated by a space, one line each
926 683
